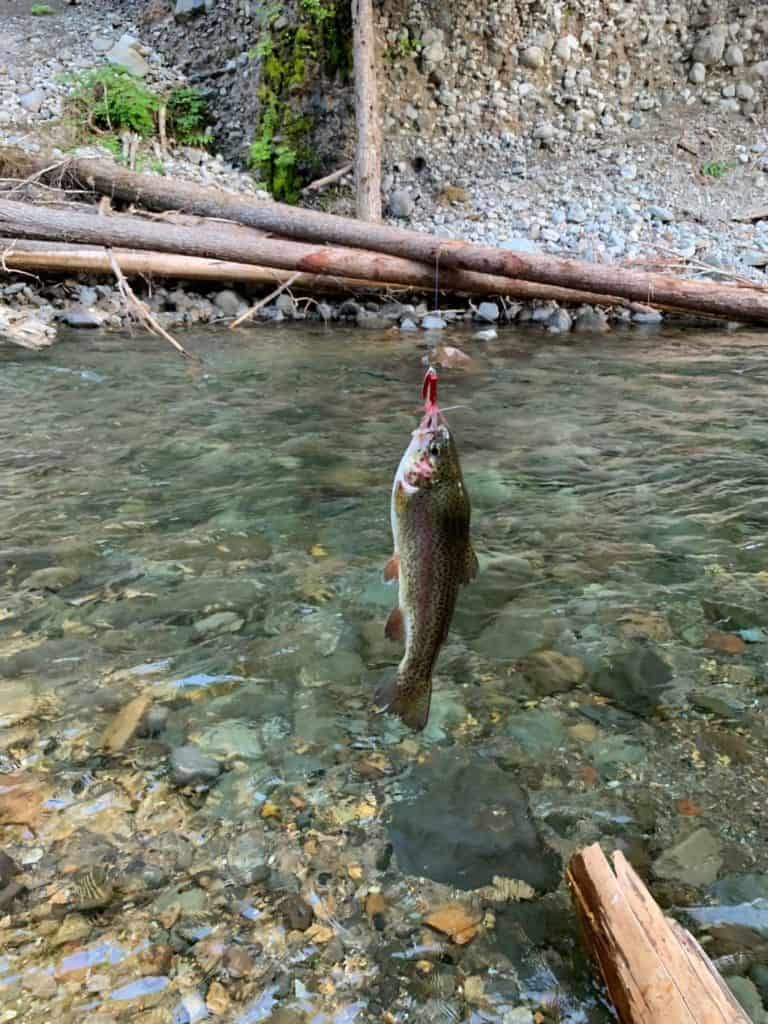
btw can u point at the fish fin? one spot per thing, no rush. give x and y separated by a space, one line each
392 569
395 627
411 705
470 567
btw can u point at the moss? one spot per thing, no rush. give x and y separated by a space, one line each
318 44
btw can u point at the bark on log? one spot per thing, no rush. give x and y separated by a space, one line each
733 302
215 240
654 970
367 122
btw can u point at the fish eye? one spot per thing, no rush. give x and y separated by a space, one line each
434 448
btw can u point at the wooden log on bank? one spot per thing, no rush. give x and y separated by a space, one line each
654 970
69 258
728 301
217 241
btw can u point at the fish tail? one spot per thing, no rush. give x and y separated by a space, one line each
408 699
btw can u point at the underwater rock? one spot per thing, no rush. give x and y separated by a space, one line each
634 679
550 672
189 765
695 860
464 821
55 577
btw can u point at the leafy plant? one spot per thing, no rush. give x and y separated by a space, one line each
41 10
317 10
111 99
188 121
714 169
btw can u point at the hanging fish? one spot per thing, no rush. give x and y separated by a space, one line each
430 514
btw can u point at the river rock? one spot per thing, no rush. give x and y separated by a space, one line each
55 577
401 203
634 680
32 101
297 913
81 318
748 996
247 858
550 672
488 311
532 57
695 860
697 74
432 322
590 321
228 302
125 53
219 623
462 820
186 9
190 766
710 45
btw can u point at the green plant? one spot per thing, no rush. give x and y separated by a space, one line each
187 116
317 10
111 99
40 10
714 169
406 46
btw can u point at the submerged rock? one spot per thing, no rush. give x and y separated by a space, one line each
467 820
634 680
189 765
695 860
550 672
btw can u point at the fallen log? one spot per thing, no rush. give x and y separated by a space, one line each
654 970
732 302
69 258
215 240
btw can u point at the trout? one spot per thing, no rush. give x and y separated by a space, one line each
433 555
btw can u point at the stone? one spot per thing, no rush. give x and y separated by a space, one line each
544 133
81 318
518 243
744 91
559 322
32 101
698 73
432 322
228 302
8 869
88 296
186 9
748 996
576 214
286 304
102 43
566 47
400 203
461 820
723 700
728 643
190 766
661 213
488 311
609 754
247 858
634 679
298 915
408 325
550 672
592 321
650 316
372 321
537 732
490 334
759 975
55 577
695 860
532 57
218 624
710 45
733 56
125 53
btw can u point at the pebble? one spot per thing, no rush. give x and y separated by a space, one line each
401 204
79 317
189 766
432 322
488 311
297 913
229 302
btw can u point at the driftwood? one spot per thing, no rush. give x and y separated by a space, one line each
731 302
654 970
329 179
215 240
367 122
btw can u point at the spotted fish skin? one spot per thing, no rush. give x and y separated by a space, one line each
433 557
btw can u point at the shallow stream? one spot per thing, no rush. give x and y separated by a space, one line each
212 540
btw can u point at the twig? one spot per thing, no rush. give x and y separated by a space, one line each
161 116
315 186
142 310
8 251
267 298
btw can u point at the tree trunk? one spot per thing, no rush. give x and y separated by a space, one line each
367 120
217 241
728 301
654 970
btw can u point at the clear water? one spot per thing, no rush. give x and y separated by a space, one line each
214 540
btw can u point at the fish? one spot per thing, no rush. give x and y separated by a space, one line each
433 556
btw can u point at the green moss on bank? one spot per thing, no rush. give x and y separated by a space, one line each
318 44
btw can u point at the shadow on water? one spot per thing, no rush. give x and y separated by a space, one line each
213 541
